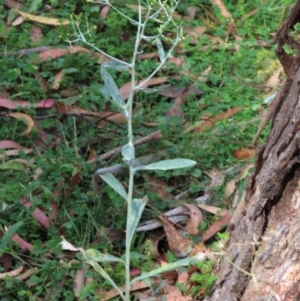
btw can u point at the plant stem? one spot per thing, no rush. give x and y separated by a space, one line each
139 35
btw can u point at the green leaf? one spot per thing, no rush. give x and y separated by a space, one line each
92 254
112 88
115 65
136 213
8 234
160 49
128 152
166 268
168 164
115 184
14 165
102 272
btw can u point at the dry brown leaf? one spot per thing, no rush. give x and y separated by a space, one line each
125 89
175 110
180 246
217 226
231 26
16 152
43 83
160 187
44 20
196 34
104 11
191 10
23 244
243 153
217 176
36 34
56 53
78 282
12 273
230 188
57 79
208 123
195 219
199 248
24 117
110 116
18 21
274 81
211 209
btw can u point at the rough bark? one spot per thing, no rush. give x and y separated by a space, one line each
262 257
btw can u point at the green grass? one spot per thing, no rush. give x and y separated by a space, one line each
236 79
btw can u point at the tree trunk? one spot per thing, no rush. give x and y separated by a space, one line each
262 258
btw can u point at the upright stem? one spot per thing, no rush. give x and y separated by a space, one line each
140 32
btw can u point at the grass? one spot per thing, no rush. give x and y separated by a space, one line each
62 144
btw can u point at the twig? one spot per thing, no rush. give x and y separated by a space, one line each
152 137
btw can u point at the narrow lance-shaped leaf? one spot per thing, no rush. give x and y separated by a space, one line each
115 184
168 165
112 88
160 49
8 234
115 65
102 272
166 268
98 256
136 213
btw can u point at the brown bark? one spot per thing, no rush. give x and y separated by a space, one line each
262 257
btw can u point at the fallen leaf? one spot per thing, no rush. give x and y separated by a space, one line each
196 218
4 144
36 34
230 188
18 21
125 89
217 226
38 214
175 110
67 246
208 123
23 244
15 104
211 209
105 116
159 186
104 11
24 117
180 246
231 26
243 153
12 273
43 83
217 177
44 20
57 79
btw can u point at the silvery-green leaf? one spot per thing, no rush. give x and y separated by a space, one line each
112 88
115 65
104 91
168 164
115 184
128 152
102 272
160 49
166 268
98 256
137 208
